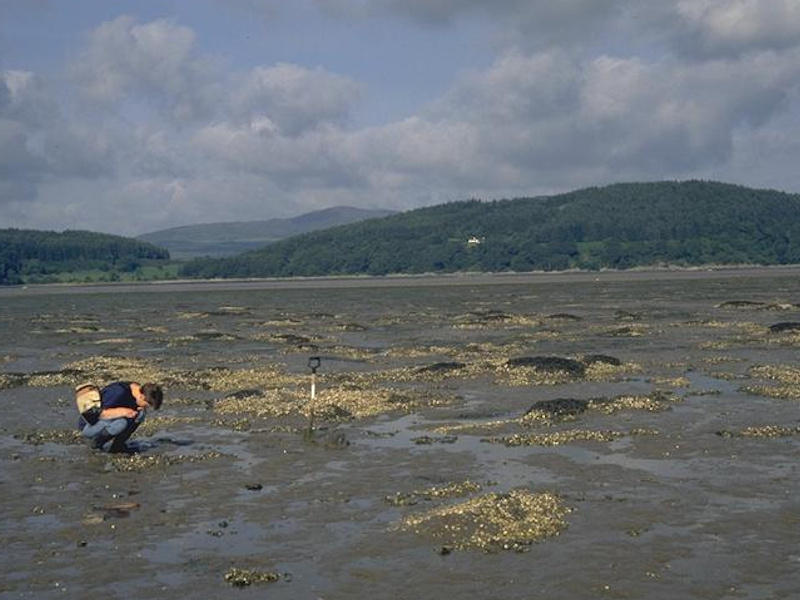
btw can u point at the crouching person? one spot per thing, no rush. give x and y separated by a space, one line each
122 409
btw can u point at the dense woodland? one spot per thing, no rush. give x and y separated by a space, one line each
618 226
29 256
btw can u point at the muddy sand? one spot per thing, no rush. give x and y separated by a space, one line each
578 437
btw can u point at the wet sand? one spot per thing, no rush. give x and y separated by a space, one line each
672 466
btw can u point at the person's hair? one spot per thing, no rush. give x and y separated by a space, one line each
153 394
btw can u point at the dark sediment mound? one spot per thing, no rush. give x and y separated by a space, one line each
560 408
291 338
624 315
785 327
563 317
441 368
741 304
548 364
490 316
752 305
591 359
244 394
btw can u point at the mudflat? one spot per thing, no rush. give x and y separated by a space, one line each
572 436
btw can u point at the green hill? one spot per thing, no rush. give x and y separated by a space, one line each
225 239
617 226
31 256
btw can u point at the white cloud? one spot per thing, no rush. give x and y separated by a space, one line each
292 99
20 169
157 61
732 26
28 99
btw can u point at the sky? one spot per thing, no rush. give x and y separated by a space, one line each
131 116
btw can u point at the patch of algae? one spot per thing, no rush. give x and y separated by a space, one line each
138 463
362 403
115 368
549 412
223 379
783 373
565 437
451 490
107 369
491 319
560 410
584 368
672 381
245 577
342 402
788 376
504 370
56 436
765 431
493 522
719 360
634 330
10 380
266 404
417 351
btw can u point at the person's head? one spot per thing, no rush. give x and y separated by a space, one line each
153 394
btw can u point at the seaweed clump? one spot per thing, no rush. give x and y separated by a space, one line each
137 463
788 376
548 412
245 577
564 437
10 380
785 327
451 490
56 436
765 431
548 364
442 367
553 370
510 521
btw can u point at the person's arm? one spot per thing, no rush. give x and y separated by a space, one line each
118 413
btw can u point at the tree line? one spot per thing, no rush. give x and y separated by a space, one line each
38 256
618 226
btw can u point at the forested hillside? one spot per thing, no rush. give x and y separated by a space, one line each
618 226
225 239
30 256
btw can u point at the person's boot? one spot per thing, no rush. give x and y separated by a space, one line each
98 441
120 447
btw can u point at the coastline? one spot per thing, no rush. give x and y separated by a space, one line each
421 280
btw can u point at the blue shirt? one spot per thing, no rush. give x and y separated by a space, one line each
118 395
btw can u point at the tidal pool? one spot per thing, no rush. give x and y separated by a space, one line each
575 436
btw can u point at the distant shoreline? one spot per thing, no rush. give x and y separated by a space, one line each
422 280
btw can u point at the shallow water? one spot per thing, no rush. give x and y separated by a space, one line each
678 512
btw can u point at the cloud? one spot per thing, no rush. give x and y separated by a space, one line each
554 120
157 61
19 168
27 99
292 99
719 27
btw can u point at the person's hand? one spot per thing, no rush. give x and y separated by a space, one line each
130 413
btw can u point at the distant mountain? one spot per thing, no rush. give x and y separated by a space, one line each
225 239
618 226
32 256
